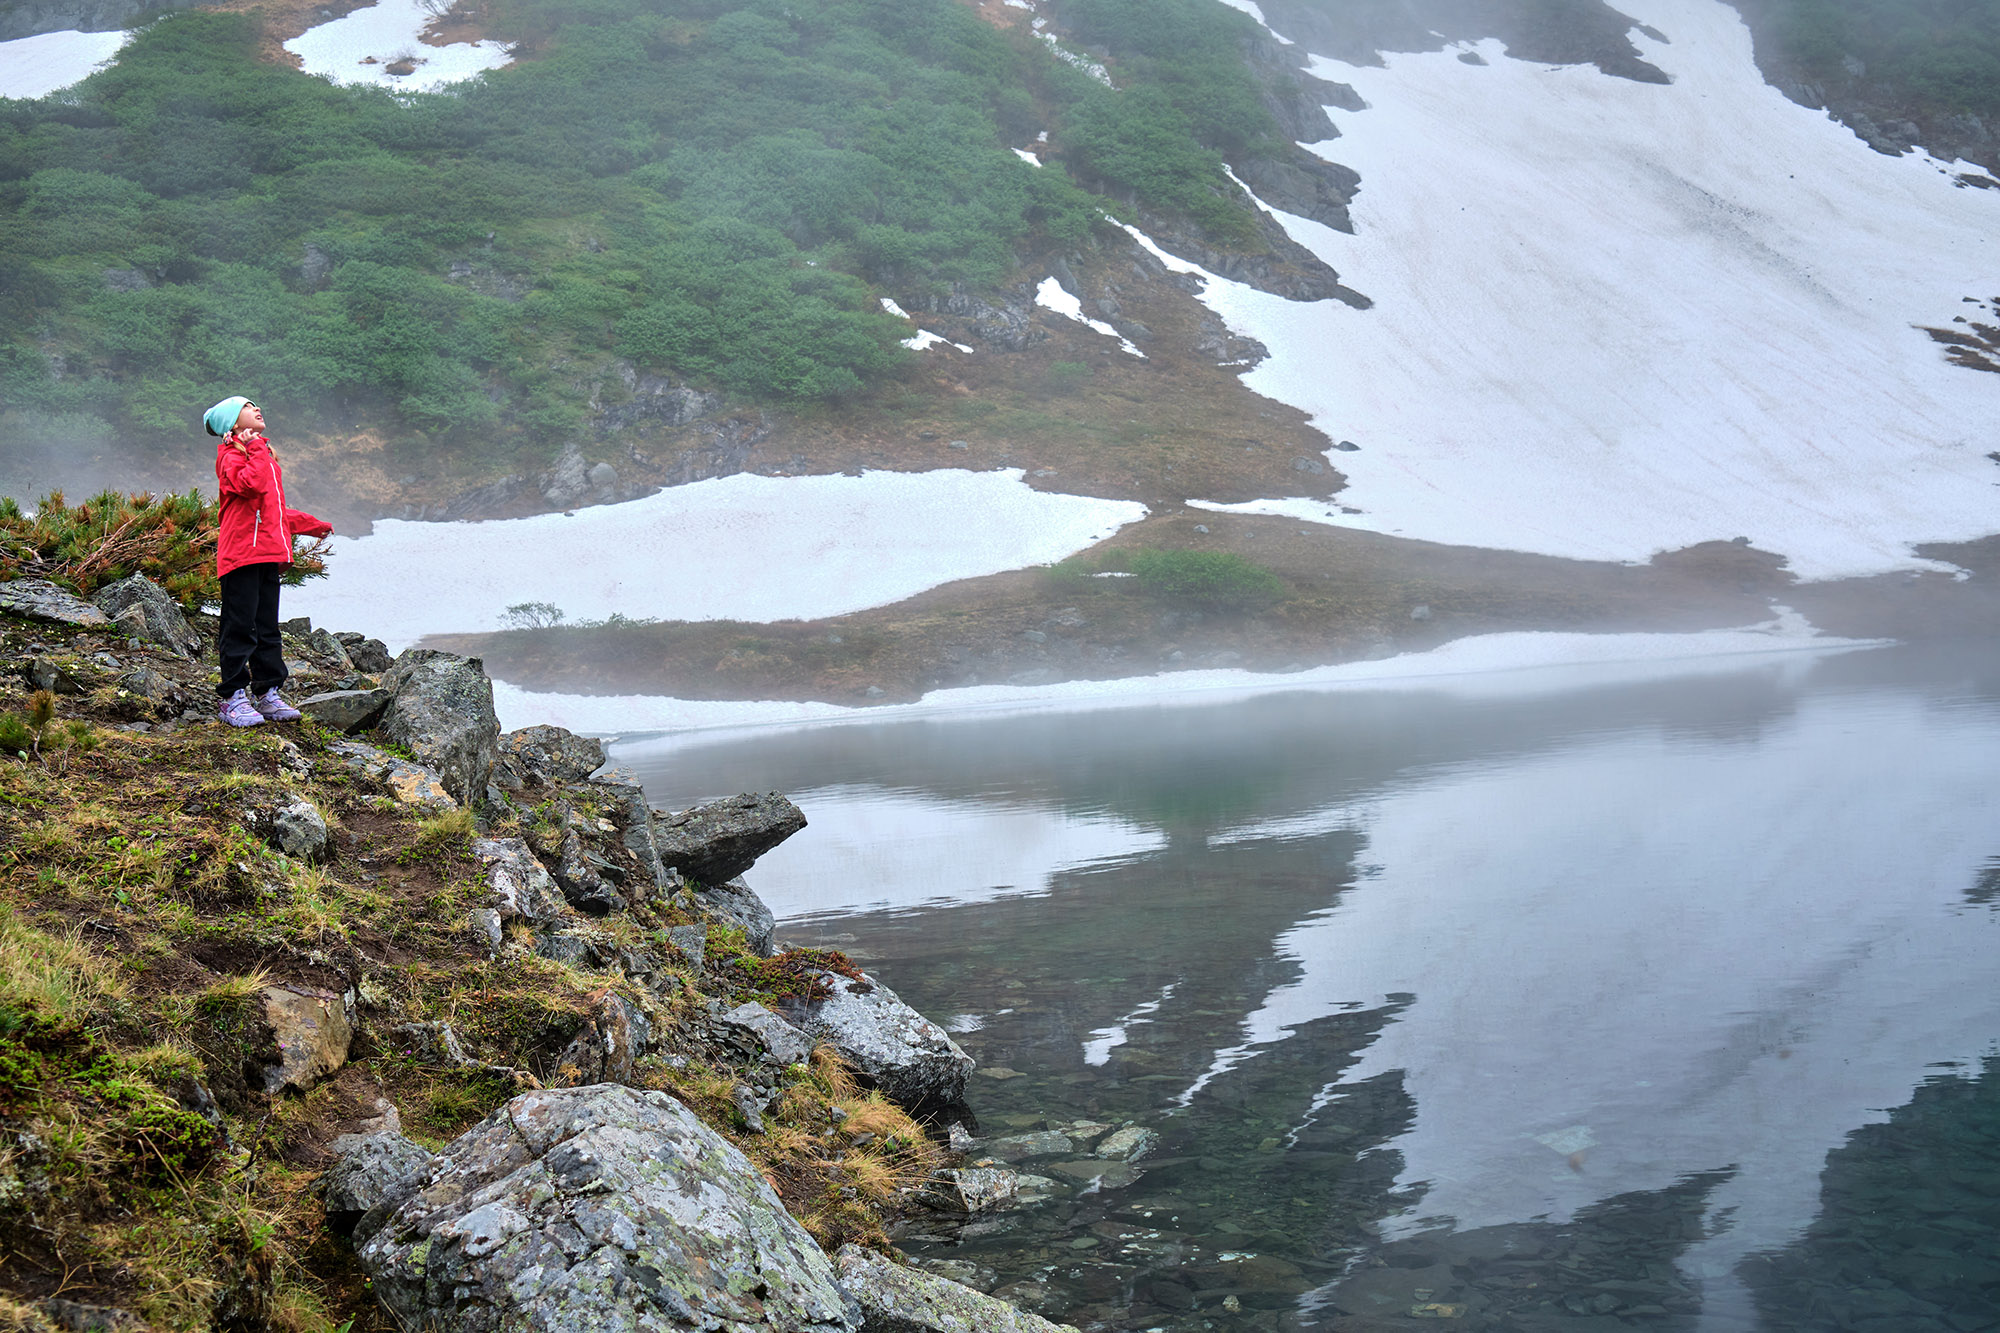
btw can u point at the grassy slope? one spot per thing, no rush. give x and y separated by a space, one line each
137 919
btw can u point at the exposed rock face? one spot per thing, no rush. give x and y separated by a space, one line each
372 1176
411 784
38 599
977 1189
714 843
443 714
46 673
734 902
759 1027
162 619
153 687
568 480
287 822
28 18
370 656
616 1036
346 710
552 755
1008 326
312 1035
911 1059
898 1299
331 650
655 399
517 886
600 1209
589 882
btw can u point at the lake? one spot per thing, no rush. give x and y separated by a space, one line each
1514 1004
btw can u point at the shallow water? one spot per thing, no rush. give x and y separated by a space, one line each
1645 1005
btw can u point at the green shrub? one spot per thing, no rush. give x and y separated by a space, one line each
1206 580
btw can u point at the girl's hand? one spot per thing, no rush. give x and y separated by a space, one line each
235 441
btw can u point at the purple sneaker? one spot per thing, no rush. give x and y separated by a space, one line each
238 711
273 706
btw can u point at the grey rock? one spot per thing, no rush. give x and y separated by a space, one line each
287 822
569 950
329 647
372 1175
600 1210
46 673
346 710
314 266
161 615
38 599
691 942
580 881
749 1106
153 687
443 714
567 481
604 478
1043 1143
79 1317
760 1027
489 926
896 1298
735 904
1128 1144
126 280
1008 325
655 399
716 842
131 622
1096 1172
639 836
1420 613
410 784
431 1043
368 655
312 1035
604 1051
911 1059
517 887
1310 466
553 755
977 1189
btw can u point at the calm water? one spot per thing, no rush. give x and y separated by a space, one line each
1517 1006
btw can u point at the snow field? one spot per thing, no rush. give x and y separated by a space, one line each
50 61
359 47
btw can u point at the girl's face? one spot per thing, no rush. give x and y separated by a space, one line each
250 418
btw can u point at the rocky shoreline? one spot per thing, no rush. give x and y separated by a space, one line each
694 1128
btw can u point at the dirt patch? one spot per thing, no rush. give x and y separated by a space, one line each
286 19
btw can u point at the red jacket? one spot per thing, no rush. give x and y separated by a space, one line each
256 527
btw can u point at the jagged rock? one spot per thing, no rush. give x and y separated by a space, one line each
1128 1144
46 673
332 650
287 822
159 615
586 888
443 714
895 1298
553 755
911 1059
615 1036
737 905
369 656
372 1175
748 1105
569 950
760 1027
1009 325
431 1043
691 942
411 784
517 886
716 842
38 599
346 710
1042 1143
568 480
600 1209
641 837
312 1034
976 1189
655 398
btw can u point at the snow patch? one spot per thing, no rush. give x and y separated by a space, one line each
1615 318
360 48
1051 296
744 547
925 338
51 61
894 309
1026 156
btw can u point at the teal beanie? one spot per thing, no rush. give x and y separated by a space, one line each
223 415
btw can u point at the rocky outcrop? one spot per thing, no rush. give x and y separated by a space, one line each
517 887
716 842
551 755
737 905
27 18
369 656
442 713
38 599
372 1175
600 1209
145 604
1007 326
899 1299
911 1059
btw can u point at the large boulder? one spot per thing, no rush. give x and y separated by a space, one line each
517 887
895 1298
310 1034
369 656
612 1040
158 613
346 710
601 1209
911 1059
752 1026
716 842
372 1175
442 714
553 755
38 599
738 905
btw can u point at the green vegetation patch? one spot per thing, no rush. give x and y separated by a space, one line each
1214 581
1946 53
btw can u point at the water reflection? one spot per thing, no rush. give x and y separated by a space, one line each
1560 1003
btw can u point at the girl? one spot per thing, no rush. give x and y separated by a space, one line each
252 551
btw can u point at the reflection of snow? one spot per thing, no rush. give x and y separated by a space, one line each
1663 953
868 850
39 65
1606 325
362 46
743 547
1097 1050
1051 295
1490 665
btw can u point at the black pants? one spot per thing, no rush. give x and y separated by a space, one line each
252 650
